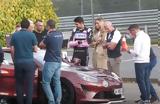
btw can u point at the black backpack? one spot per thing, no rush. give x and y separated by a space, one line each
1 55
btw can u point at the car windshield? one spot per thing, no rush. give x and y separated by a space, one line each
83 68
39 57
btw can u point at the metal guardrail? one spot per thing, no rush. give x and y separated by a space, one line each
147 19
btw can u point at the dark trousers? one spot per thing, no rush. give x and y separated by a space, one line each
153 62
82 54
142 78
24 75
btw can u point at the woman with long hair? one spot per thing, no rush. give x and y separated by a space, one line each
99 59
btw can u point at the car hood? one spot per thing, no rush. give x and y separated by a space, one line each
88 70
77 69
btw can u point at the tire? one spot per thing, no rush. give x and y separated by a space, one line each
68 92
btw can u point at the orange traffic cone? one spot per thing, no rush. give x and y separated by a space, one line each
124 46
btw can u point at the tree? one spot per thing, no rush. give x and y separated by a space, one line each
13 11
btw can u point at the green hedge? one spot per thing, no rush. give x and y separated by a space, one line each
12 11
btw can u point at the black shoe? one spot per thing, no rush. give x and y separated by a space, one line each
154 99
136 101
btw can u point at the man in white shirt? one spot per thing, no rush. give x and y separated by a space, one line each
113 45
141 53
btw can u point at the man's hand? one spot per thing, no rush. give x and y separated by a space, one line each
79 42
104 45
128 51
131 51
99 40
35 48
42 45
111 45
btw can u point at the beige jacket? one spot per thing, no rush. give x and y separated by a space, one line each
99 58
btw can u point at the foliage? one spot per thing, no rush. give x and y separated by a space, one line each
13 11
154 41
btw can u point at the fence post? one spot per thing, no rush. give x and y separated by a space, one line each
146 28
92 13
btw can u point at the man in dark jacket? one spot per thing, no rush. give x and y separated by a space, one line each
39 30
23 43
51 70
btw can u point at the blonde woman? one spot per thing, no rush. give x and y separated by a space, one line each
99 59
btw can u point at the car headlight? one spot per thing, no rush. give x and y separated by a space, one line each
88 78
105 83
115 76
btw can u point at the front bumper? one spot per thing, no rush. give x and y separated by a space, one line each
106 101
102 95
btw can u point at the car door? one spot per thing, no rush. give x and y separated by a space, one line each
7 81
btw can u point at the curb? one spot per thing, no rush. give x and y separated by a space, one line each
156 81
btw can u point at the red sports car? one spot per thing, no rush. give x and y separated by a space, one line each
80 85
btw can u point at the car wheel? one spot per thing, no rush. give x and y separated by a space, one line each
68 93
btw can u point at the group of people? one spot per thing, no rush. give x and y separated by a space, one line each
105 40
23 44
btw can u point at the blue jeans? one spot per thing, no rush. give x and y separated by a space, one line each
152 63
143 81
51 77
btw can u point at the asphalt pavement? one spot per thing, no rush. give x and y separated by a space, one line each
131 92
